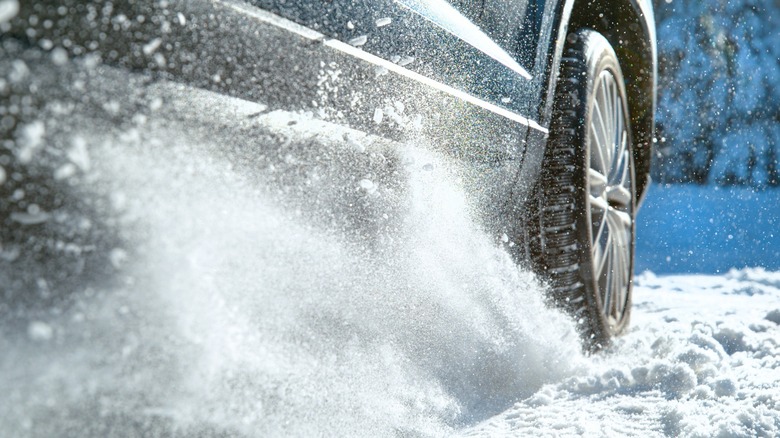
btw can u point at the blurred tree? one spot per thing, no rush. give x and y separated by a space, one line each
719 92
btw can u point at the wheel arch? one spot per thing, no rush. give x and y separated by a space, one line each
629 26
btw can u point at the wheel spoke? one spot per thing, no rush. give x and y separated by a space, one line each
618 268
595 143
610 198
609 132
618 125
619 196
597 181
608 123
623 218
599 132
607 291
617 264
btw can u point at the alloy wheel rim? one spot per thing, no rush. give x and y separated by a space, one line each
610 198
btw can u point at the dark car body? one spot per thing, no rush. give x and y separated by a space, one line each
474 79
475 82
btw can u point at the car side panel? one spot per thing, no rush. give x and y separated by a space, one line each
387 29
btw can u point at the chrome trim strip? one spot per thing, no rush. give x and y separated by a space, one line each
395 68
442 14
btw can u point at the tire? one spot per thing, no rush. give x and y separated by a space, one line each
582 212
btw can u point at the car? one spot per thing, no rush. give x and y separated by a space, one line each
548 105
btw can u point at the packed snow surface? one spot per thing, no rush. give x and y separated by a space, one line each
701 359
271 274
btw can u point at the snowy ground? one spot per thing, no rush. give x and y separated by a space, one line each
269 276
701 359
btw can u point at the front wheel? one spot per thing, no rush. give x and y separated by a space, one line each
582 220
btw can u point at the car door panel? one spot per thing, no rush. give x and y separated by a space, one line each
402 34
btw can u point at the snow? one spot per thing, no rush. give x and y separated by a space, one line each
359 40
59 56
33 216
381 22
39 331
687 367
30 141
217 268
254 291
79 155
378 115
367 185
8 10
406 60
152 46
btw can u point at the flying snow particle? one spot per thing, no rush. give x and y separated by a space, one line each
378 116
159 59
367 185
155 104
33 216
383 21
359 41
417 122
3 175
19 71
59 56
8 10
152 46
406 60
30 141
111 107
118 256
182 19
381 71
39 331
65 171
78 154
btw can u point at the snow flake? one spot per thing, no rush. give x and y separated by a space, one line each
406 60
378 115
152 46
40 331
381 22
8 10
59 56
30 141
359 41
78 154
